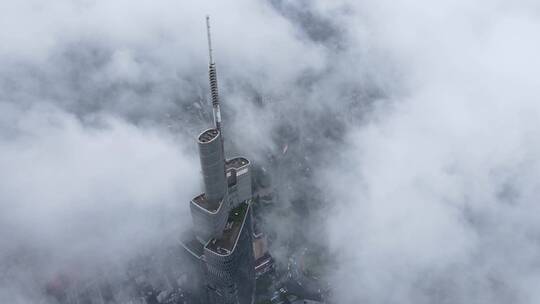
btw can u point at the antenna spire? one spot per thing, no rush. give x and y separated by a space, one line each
213 80
209 39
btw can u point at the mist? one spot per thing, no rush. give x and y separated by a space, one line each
435 194
401 137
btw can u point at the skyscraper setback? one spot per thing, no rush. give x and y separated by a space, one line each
220 242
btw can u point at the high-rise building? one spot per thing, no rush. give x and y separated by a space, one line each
221 241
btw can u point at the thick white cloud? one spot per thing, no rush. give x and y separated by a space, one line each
100 102
418 120
78 196
436 196
64 182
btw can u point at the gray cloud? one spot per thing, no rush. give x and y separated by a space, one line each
435 194
100 102
410 129
76 197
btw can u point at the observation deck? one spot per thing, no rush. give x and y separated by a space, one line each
208 136
204 203
225 244
236 163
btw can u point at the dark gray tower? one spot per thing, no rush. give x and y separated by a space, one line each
212 165
221 242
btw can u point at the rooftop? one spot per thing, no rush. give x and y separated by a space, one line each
193 245
204 203
236 162
225 243
208 135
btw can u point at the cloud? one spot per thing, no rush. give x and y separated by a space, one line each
434 194
410 127
78 196
100 102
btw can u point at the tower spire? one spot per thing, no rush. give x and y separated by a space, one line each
211 59
213 79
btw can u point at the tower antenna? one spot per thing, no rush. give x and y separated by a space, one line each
209 39
213 80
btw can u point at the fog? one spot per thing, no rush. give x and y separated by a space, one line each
436 193
410 127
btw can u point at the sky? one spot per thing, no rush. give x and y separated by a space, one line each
411 130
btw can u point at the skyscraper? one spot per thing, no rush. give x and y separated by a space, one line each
220 242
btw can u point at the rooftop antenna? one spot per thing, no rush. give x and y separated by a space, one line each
213 80
209 40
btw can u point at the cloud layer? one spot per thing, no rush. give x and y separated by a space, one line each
436 194
76 197
411 128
